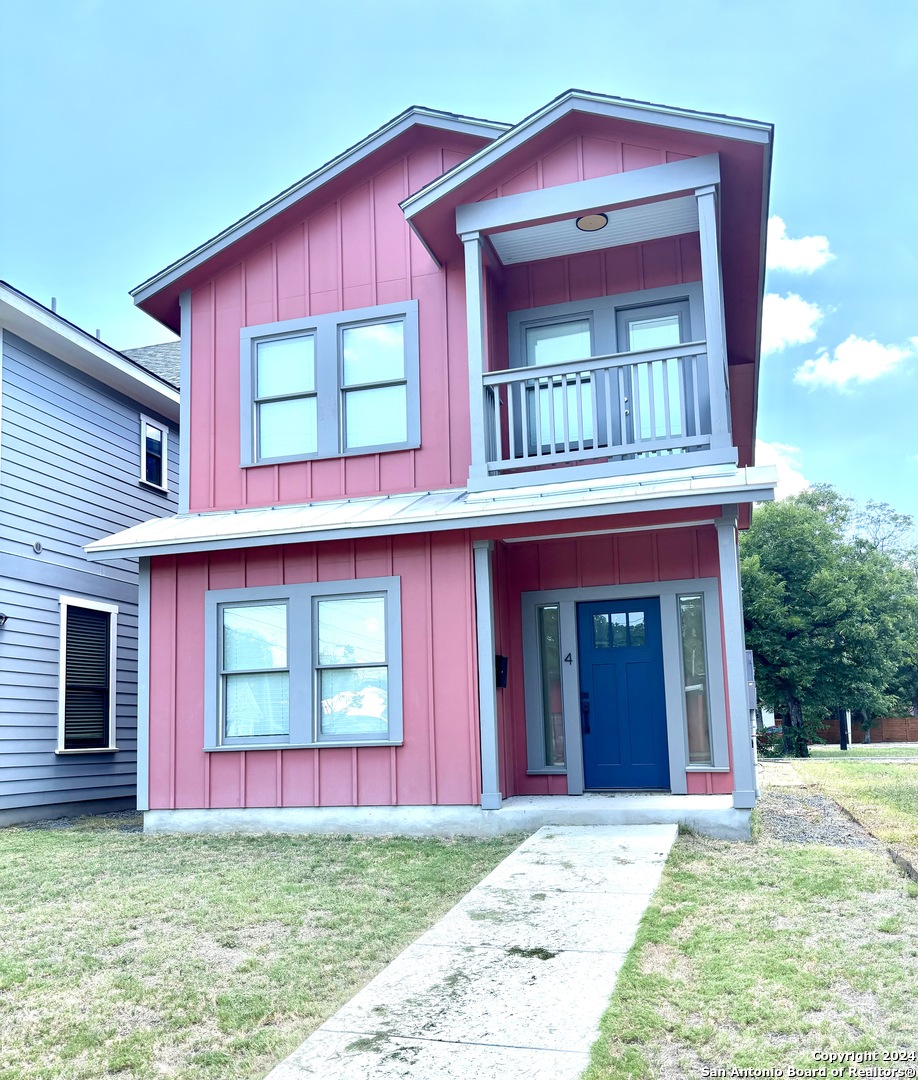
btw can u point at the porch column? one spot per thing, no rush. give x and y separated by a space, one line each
744 786
714 330
487 677
475 315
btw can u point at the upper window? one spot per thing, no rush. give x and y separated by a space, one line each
330 385
304 665
86 710
154 453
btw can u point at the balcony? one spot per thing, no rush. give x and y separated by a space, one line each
618 408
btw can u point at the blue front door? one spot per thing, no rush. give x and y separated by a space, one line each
622 707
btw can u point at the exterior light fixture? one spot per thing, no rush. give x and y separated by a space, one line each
3 619
592 222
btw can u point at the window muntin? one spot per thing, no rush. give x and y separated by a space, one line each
286 417
695 678
304 665
334 385
86 709
255 676
154 453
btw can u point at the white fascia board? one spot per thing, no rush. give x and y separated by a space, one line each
601 192
264 527
34 323
639 112
416 116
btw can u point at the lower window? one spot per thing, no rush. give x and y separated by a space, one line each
86 710
304 665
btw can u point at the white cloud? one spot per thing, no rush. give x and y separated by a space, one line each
800 256
791 480
788 320
855 360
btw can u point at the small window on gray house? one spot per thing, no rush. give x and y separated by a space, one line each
86 711
154 453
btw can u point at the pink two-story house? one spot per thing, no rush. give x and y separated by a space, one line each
468 425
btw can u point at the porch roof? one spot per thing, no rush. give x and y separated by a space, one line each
437 511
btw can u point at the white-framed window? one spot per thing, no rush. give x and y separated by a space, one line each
154 453
86 701
331 385
304 665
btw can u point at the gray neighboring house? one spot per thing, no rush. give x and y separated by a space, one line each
88 446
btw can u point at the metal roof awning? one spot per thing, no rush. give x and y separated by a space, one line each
437 511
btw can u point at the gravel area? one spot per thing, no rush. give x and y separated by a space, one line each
799 816
792 812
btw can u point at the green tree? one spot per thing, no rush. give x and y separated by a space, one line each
829 618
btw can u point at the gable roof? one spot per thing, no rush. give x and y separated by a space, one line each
57 336
586 101
164 360
398 125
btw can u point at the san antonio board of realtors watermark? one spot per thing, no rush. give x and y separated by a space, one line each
834 1065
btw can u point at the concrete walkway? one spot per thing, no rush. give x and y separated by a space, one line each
511 982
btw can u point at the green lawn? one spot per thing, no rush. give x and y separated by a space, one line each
132 956
883 796
757 955
863 752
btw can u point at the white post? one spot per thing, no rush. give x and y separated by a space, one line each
714 330
475 314
487 676
744 785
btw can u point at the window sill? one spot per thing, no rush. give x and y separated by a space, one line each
299 746
557 770
357 451
93 750
153 487
707 768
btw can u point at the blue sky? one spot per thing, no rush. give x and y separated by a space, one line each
132 131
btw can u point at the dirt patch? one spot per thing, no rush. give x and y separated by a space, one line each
665 960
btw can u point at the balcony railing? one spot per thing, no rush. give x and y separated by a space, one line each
611 408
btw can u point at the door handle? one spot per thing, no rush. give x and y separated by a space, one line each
585 713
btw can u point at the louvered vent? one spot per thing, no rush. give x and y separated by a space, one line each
86 705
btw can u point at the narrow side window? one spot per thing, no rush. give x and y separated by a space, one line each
695 679
154 451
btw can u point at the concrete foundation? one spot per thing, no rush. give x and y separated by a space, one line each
710 815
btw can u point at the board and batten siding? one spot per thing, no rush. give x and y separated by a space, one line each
439 761
353 249
69 474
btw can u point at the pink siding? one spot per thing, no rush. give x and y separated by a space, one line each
578 148
674 260
439 761
354 251
579 562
